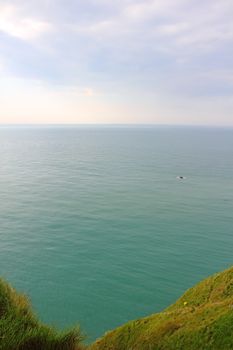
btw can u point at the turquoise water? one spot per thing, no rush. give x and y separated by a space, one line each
95 226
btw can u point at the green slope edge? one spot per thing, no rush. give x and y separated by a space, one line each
201 319
20 329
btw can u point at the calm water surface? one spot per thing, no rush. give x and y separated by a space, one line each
96 228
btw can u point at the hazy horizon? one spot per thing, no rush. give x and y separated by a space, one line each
136 125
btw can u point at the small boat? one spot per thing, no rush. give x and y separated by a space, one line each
181 177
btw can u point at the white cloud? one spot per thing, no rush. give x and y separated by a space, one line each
172 29
88 92
2 65
78 91
177 48
25 28
144 10
176 27
217 76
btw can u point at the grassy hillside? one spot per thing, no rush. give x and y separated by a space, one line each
20 329
201 319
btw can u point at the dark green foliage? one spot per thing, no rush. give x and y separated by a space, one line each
20 329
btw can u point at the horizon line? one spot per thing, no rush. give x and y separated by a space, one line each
113 125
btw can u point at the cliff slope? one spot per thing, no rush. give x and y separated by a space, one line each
201 319
20 329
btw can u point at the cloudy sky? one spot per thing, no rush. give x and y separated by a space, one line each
116 61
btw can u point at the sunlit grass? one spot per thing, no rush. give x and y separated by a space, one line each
202 319
21 330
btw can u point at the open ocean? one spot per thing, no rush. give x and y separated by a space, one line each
96 228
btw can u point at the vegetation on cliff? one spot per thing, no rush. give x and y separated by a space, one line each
202 319
20 329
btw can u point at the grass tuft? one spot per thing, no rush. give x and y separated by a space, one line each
21 330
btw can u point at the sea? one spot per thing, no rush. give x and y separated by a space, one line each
100 225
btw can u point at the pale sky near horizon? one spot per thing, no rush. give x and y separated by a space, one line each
116 61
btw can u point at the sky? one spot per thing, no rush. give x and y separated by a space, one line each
116 61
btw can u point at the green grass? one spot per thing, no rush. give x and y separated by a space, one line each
21 330
201 319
